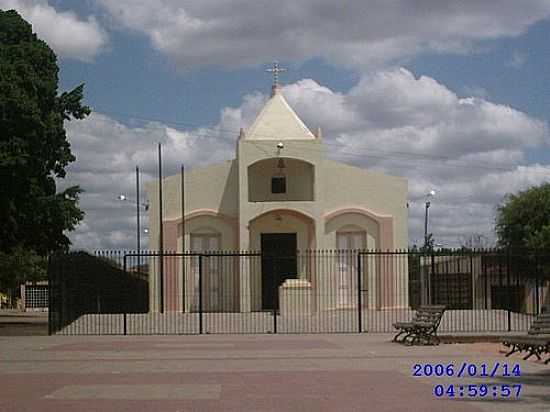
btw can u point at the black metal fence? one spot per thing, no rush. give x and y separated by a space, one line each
314 291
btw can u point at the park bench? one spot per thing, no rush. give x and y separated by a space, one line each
422 328
536 342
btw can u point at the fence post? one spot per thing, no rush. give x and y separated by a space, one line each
431 276
183 280
508 284
359 293
200 294
50 295
537 296
276 276
124 304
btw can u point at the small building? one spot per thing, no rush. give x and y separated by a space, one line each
483 280
34 296
280 195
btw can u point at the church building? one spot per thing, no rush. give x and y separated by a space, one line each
279 195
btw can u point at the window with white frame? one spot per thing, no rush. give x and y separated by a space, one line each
351 240
207 242
201 242
345 278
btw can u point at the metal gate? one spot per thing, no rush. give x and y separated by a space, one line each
314 291
200 293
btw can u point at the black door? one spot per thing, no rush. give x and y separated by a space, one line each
278 263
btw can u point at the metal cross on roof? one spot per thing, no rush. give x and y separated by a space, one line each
276 70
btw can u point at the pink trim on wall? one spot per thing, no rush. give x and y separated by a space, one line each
385 223
299 159
294 212
170 243
233 221
385 276
297 214
376 216
171 278
386 233
205 212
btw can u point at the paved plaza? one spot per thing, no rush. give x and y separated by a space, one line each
248 373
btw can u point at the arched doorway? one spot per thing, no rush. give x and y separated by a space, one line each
278 234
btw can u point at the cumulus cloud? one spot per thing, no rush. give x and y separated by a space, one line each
354 34
107 153
65 32
470 150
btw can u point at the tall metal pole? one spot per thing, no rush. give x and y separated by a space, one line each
426 225
138 204
161 236
182 238
138 233
182 208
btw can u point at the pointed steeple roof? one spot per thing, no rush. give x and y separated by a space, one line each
277 121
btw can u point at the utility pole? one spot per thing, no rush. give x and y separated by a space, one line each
161 235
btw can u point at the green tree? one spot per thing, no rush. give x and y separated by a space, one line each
523 219
34 150
18 266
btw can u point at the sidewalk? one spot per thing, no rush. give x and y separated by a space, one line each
250 373
17 323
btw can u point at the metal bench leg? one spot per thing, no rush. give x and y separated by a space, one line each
413 338
515 349
531 353
404 338
436 338
395 338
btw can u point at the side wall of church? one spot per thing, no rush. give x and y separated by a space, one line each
209 191
347 186
212 188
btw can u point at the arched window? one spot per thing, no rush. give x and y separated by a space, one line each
201 242
350 240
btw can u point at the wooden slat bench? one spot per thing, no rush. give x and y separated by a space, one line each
422 328
536 342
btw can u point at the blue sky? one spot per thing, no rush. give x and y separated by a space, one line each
454 96
154 89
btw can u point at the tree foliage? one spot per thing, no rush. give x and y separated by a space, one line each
34 150
20 266
523 219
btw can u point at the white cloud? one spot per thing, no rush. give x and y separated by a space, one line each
468 149
354 34
66 33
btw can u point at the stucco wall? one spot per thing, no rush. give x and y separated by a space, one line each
299 180
249 153
349 186
214 188
227 188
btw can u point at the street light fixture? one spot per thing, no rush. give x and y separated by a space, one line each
124 198
139 206
431 193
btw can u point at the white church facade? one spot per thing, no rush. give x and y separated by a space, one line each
279 195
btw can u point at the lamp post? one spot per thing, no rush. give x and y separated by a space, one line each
145 206
427 203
